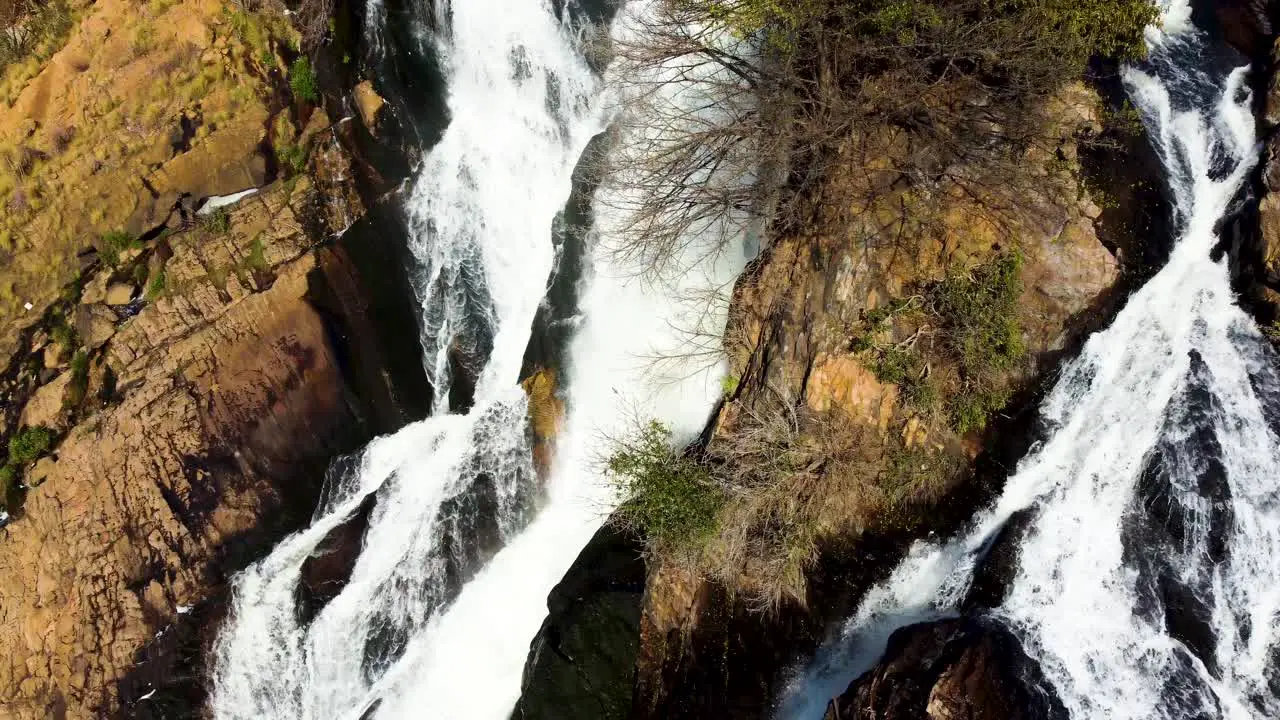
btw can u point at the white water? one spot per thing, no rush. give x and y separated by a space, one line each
1160 467
523 106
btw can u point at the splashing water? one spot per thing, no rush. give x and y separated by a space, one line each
457 558
1155 499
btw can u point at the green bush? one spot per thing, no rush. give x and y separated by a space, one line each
293 159
979 314
112 244
8 476
28 444
669 497
979 311
156 287
44 28
63 334
217 222
302 79
79 384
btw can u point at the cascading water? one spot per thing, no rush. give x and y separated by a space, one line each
1148 583
425 627
448 489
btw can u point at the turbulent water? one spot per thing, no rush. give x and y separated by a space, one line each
462 545
1148 582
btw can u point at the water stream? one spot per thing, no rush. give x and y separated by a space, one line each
463 544
1148 582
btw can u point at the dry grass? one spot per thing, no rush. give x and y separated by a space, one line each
781 480
795 478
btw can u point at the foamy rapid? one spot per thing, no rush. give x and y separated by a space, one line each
422 629
1157 490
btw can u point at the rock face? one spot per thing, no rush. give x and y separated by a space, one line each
144 104
229 397
581 664
1257 239
949 670
704 652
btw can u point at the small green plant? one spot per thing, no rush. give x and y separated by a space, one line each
28 444
156 287
63 334
112 244
293 158
8 478
79 384
217 222
728 385
668 496
257 259
302 79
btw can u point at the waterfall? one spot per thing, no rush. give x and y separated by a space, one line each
461 547
1155 497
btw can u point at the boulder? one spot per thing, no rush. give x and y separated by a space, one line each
120 294
950 670
40 471
95 291
95 324
369 103
581 662
55 355
45 406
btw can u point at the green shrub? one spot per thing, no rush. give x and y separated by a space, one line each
302 79
979 311
668 496
293 159
112 244
217 222
79 384
63 334
156 287
8 476
28 444
45 27
257 259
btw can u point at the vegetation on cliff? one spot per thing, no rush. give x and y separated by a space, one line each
932 145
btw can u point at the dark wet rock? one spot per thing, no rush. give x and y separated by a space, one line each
581 663
328 569
995 574
950 670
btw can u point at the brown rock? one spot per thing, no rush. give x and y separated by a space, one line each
949 670
40 471
45 406
55 355
120 294
369 103
546 417
95 324
95 291
227 408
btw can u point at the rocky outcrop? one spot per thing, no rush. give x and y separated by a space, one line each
705 651
949 670
581 664
229 394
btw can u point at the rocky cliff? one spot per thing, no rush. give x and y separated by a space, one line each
853 331
183 367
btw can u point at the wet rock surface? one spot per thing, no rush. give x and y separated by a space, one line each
581 664
950 670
